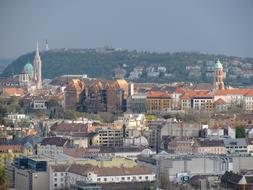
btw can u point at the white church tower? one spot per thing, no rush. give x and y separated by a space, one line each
37 68
218 76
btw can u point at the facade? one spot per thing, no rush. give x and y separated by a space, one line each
110 137
72 94
159 102
31 174
238 146
102 96
137 103
52 146
202 103
209 146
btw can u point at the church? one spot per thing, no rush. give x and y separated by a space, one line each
31 74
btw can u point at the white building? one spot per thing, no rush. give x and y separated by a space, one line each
52 146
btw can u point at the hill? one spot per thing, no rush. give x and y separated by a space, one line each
137 66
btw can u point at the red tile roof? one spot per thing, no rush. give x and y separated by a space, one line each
236 91
155 94
12 91
219 102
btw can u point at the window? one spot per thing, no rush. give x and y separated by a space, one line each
55 184
55 179
146 177
55 174
99 179
62 174
122 178
128 178
140 177
105 179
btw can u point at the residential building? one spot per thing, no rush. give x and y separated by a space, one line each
238 146
31 173
109 137
52 146
158 102
210 146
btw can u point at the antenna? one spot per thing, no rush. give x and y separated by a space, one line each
46 47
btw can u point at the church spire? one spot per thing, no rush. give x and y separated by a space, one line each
37 68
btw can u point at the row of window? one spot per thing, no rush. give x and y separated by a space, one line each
124 178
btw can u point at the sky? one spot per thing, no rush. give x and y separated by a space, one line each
210 26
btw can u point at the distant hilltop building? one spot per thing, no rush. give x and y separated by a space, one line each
31 74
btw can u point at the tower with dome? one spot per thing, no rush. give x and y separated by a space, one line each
218 83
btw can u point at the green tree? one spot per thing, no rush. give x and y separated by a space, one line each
70 114
240 132
3 179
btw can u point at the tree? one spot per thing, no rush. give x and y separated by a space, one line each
70 114
3 179
240 132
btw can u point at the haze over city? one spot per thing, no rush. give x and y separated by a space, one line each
126 95
214 26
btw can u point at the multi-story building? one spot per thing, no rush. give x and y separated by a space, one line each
52 146
58 176
31 173
202 103
9 152
109 137
137 103
210 146
158 102
72 94
238 146
102 95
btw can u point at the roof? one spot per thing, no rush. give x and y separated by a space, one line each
12 91
13 148
69 127
235 91
153 94
83 170
114 171
237 142
119 149
57 141
179 91
219 102
59 168
209 142
231 177
80 169
203 87
249 93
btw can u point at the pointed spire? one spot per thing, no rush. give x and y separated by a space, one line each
37 49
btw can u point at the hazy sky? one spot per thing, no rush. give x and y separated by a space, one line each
210 26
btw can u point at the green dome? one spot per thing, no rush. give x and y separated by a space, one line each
28 68
218 65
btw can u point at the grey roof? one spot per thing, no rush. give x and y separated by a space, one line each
57 141
209 142
235 142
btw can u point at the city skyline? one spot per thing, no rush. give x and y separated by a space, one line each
213 27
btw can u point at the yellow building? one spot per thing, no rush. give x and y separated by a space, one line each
8 152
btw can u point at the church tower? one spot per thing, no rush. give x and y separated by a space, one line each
218 76
37 68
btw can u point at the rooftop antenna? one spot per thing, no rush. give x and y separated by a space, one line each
46 47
